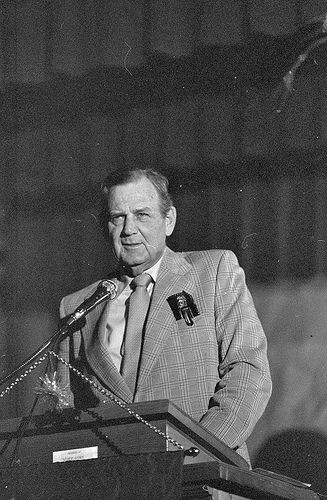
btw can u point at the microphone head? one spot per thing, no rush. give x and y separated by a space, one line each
110 287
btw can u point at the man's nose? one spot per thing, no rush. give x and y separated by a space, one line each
130 226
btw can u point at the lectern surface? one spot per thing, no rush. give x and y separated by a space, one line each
113 431
109 434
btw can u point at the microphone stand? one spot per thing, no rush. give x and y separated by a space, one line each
49 345
106 290
61 332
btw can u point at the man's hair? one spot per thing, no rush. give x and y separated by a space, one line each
125 176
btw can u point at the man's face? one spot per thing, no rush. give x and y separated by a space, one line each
137 229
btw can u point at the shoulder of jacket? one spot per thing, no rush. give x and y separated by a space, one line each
209 257
75 298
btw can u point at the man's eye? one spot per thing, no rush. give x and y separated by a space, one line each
142 216
117 219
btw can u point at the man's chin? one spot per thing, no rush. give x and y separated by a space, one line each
137 265
133 258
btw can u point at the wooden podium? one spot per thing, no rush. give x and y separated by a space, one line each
89 453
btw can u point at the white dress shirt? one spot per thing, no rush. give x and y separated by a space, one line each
115 323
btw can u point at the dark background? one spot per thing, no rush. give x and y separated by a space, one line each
192 88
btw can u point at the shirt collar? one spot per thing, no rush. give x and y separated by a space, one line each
153 271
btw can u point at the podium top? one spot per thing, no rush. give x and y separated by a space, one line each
116 433
111 415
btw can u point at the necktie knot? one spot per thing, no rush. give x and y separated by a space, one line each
142 280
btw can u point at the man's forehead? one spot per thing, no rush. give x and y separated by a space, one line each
137 194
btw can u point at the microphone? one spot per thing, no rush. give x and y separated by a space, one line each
106 290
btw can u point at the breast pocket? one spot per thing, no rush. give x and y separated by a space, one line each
191 349
200 336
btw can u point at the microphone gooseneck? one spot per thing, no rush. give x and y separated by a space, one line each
106 290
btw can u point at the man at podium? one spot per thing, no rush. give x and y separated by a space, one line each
182 325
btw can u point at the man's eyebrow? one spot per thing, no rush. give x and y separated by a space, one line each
137 209
116 212
142 209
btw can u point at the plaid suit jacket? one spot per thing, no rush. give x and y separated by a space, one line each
215 370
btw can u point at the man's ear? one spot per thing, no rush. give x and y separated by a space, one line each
170 220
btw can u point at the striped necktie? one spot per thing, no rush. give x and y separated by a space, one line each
137 312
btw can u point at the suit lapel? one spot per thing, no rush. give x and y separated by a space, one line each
98 356
173 277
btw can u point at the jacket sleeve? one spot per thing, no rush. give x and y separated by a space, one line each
244 384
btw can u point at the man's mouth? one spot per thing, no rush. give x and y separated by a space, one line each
131 244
